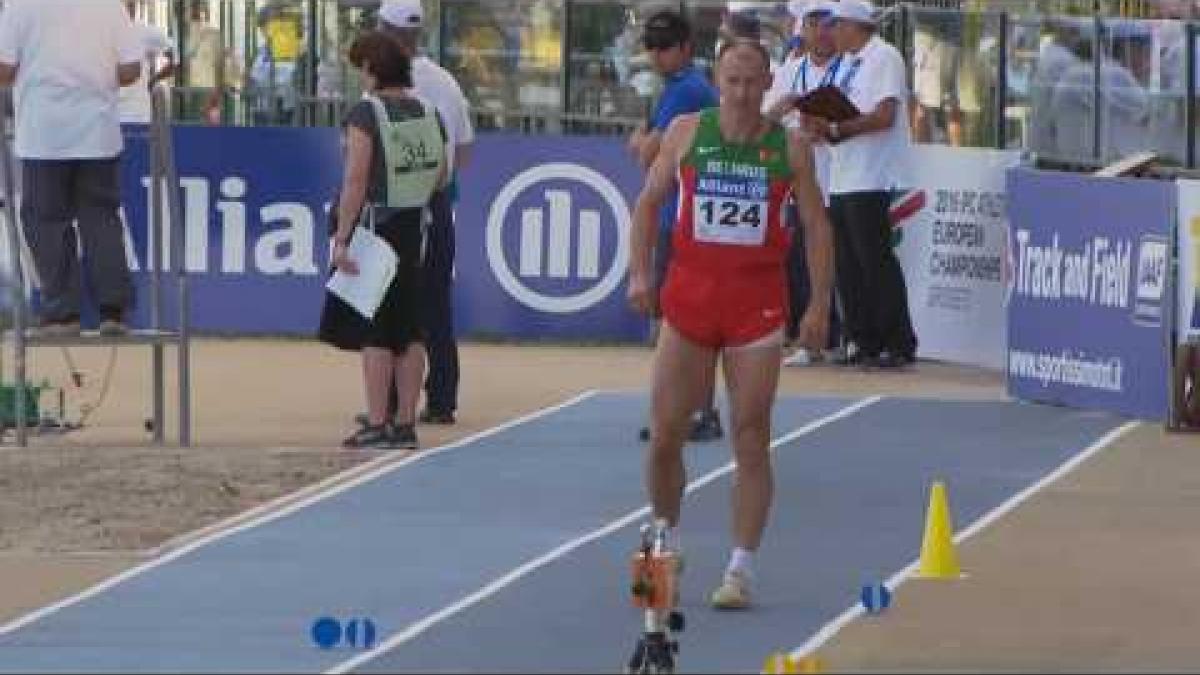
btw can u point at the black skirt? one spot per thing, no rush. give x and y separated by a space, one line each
397 322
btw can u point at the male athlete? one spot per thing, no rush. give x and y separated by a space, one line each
726 288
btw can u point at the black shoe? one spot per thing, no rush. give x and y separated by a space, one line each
644 434
363 420
869 362
58 329
435 417
893 361
404 437
368 437
848 358
112 321
707 427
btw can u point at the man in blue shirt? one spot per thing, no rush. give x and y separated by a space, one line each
668 43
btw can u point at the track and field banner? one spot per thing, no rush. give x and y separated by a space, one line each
1188 324
543 227
1089 302
952 249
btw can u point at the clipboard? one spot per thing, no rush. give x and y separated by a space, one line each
376 268
828 102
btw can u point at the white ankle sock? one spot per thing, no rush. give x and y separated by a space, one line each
740 562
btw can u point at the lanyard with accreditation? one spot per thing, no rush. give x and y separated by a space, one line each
828 77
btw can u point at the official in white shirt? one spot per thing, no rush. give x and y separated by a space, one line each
870 154
68 60
816 66
135 105
404 20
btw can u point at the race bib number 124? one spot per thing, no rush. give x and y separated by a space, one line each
736 222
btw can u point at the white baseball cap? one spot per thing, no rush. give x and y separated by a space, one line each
858 11
402 13
817 7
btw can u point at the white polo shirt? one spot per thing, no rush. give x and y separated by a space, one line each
135 103
434 84
66 53
874 161
800 76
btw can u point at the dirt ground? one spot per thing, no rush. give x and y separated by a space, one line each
1068 581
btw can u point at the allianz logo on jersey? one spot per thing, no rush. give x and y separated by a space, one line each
558 237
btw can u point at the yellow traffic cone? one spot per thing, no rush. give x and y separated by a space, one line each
938 559
779 663
810 665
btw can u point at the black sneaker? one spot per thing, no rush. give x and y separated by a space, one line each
364 420
112 322
404 437
707 427
368 437
893 361
435 417
847 357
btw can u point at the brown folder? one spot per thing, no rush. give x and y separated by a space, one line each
828 102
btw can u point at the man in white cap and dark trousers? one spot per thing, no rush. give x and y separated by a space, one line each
870 156
404 20
816 67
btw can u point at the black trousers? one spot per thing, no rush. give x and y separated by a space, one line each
869 279
441 382
61 194
800 286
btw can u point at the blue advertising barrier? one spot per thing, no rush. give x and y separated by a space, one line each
543 238
1088 308
542 232
254 204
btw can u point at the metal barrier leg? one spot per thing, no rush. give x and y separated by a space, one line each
17 283
178 264
154 242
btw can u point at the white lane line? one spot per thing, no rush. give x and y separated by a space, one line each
286 505
830 629
418 627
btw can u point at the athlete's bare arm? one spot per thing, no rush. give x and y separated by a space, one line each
659 181
813 331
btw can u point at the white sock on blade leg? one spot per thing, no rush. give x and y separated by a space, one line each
739 561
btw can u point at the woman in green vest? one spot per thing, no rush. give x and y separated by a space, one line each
394 160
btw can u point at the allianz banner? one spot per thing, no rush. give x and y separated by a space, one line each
543 238
952 249
542 232
255 211
1088 312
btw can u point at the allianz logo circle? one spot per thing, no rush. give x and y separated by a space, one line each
555 239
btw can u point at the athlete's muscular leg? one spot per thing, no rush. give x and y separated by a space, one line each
751 375
681 369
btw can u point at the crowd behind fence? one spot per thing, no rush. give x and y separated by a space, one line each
1075 82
